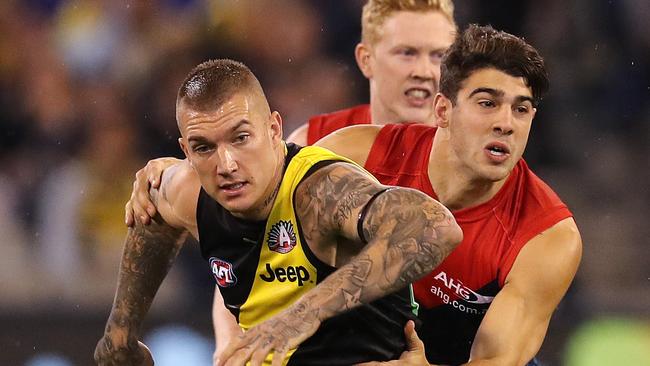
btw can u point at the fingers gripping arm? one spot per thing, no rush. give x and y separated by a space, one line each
140 207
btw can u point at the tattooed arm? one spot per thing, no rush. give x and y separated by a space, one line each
149 252
408 234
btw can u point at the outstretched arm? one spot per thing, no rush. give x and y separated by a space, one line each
515 325
407 232
149 252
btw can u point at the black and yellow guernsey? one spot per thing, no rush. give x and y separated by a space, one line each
263 267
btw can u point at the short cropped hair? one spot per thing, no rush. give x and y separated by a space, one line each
213 82
481 47
375 13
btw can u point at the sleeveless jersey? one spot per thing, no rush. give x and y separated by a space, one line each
324 124
263 267
456 295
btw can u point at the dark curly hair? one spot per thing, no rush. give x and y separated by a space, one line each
481 47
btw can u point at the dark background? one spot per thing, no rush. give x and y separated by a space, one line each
87 92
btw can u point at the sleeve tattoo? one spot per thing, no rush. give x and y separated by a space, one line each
149 252
329 201
408 233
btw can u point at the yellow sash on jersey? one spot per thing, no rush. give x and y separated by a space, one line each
284 273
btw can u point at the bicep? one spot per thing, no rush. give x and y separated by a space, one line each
329 201
515 325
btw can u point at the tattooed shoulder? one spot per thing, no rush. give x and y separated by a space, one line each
328 199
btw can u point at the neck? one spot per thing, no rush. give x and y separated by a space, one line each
456 186
379 115
264 210
267 204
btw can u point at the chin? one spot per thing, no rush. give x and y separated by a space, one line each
496 173
416 115
239 211
235 206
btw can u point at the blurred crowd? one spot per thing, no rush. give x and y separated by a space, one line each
87 95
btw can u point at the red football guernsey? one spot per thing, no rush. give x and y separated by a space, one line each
324 124
456 295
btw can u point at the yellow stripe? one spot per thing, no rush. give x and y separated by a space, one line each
280 278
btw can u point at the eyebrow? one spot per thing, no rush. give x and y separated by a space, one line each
240 124
491 91
201 139
410 46
499 94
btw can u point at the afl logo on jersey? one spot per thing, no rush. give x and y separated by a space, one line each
282 238
223 272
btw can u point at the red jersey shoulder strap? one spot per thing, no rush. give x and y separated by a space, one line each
401 148
324 124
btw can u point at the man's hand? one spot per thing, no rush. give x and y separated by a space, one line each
234 333
414 354
279 335
131 354
140 207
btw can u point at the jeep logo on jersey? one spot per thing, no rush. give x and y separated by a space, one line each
223 272
282 237
298 274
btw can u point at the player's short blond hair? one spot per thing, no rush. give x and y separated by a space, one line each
375 13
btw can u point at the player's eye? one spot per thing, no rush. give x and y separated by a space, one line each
243 137
486 103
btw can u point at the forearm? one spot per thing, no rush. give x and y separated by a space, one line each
148 255
217 304
408 236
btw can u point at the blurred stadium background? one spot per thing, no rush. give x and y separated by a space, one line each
87 92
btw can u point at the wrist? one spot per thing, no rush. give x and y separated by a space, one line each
121 336
308 310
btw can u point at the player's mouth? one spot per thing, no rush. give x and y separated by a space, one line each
234 188
418 97
497 152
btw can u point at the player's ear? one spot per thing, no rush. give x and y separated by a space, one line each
184 147
362 54
442 109
275 127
